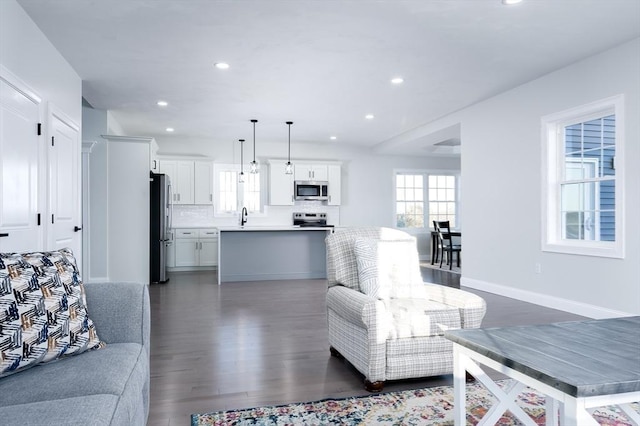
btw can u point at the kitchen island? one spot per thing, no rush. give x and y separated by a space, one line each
259 253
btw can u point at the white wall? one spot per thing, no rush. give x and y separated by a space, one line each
94 124
501 191
28 54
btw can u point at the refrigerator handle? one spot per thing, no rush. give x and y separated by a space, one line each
170 207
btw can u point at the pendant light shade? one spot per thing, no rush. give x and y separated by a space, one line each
253 166
288 169
241 176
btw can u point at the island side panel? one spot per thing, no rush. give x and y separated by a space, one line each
247 255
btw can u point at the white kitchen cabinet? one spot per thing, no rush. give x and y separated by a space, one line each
335 182
196 247
280 185
203 182
181 176
184 184
154 164
316 172
191 181
208 255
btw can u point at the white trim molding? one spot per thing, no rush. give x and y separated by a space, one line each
553 155
567 305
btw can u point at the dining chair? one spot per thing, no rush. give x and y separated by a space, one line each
445 243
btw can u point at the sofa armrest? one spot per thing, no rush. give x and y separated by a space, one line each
472 307
120 311
353 306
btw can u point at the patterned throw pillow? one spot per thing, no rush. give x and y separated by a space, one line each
389 269
43 314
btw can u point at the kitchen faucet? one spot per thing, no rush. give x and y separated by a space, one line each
243 216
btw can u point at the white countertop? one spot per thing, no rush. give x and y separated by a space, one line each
245 228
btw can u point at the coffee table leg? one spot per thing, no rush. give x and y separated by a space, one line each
575 413
459 388
552 407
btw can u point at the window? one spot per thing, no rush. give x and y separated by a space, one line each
422 198
582 182
231 195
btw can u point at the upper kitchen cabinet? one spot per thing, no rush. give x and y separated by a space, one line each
154 165
191 181
311 172
334 172
203 182
280 184
281 188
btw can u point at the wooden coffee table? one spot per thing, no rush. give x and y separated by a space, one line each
577 365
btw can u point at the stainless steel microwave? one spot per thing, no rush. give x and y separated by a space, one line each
311 190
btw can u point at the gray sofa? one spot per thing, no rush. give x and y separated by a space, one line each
108 386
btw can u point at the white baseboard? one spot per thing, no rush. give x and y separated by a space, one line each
575 307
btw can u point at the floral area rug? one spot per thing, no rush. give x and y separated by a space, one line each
430 406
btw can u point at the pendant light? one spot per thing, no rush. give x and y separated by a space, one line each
241 176
253 166
288 169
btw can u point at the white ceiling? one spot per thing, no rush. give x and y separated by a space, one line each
322 64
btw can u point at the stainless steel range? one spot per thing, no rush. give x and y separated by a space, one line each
311 219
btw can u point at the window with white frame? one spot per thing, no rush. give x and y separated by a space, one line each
582 182
231 195
422 197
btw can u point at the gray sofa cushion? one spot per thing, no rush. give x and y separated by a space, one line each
93 410
119 370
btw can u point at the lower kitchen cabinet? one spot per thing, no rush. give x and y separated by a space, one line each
196 247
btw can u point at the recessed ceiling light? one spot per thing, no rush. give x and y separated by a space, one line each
369 116
163 103
333 138
221 65
397 80
170 129
509 2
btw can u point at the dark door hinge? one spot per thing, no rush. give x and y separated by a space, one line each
39 129
52 219
53 141
38 219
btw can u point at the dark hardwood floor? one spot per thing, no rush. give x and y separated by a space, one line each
249 344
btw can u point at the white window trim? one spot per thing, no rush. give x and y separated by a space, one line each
551 154
429 228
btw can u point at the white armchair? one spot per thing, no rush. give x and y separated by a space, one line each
382 317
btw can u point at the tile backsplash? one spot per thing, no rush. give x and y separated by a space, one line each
203 216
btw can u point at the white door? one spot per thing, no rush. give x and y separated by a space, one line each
203 185
65 222
19 147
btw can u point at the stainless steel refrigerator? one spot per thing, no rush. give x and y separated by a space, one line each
160 239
